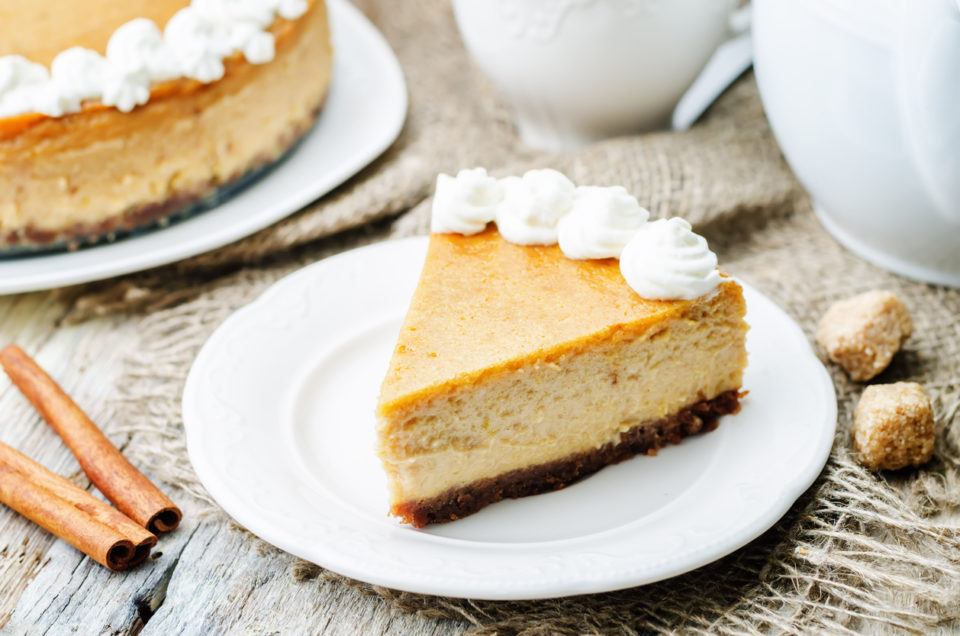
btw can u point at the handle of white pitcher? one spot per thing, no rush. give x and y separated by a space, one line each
728 62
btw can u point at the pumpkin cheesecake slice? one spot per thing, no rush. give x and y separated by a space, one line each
519 370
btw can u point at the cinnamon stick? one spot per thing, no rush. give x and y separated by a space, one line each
71 513
125 486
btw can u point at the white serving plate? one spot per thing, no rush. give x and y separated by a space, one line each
279 417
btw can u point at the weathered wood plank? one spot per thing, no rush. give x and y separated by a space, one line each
229 581
207 576
72 593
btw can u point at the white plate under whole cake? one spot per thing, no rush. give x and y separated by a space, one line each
279 417
363 114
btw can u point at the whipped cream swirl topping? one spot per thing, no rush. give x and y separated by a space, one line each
194 44
601 222
660 260
22 83
77 74
466 203
666 260
533 205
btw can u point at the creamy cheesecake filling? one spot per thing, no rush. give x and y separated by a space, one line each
56 178
645 438
551 410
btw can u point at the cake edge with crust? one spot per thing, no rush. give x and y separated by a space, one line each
646 438
142 216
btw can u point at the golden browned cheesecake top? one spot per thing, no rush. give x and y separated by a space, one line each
481 305
40 29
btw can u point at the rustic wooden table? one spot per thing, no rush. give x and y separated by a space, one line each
206 577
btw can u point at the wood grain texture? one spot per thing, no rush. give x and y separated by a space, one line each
205 577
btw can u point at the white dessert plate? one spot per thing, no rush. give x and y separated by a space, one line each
278 410
363 114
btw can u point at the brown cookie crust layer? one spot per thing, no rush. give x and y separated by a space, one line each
643 438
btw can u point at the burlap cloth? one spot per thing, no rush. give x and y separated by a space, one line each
859 551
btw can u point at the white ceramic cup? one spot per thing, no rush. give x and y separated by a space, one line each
864 99
576 71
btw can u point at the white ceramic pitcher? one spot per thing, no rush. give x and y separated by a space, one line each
864 98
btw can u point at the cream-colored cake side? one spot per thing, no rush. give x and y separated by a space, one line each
547 412
54 181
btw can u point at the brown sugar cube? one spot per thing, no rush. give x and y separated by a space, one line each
893 426
862 333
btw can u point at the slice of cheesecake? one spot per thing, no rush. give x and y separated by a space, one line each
518 371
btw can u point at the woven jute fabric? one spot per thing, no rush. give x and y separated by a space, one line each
860 551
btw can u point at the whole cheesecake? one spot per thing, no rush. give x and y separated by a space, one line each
98 168
519 370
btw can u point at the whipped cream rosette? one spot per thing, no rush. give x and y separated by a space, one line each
77 74
667 260
533 205
465 204
601 223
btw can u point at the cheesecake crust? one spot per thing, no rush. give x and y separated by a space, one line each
645 438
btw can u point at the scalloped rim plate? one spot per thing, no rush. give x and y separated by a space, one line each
278 410
363 114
